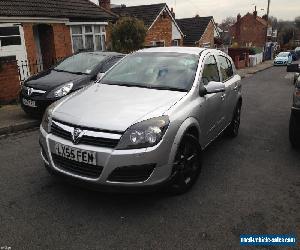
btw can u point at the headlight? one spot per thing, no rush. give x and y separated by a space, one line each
47 119
63 90
144 134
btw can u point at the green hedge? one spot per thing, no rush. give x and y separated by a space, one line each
255 50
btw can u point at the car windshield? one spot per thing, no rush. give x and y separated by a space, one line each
170 71
283 54
82 63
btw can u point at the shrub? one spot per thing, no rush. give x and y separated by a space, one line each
128 35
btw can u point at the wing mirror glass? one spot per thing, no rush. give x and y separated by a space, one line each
212 88
293 68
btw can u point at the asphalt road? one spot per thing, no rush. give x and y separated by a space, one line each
250 184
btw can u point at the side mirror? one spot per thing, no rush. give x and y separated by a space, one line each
212 88
293 68
99 76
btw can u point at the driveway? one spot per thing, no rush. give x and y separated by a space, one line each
250 184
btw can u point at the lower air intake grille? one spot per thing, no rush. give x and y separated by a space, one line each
82 169
131 173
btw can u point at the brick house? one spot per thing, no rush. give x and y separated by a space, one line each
163 29
249 30
40 31
199 31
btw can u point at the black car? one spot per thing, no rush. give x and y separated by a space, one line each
294 127
294 55
71 74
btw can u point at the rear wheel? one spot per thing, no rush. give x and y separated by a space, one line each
233 128
294 131
187 165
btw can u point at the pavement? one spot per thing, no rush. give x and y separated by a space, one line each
248 185
13 119
247 72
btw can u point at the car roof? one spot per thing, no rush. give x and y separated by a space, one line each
185 50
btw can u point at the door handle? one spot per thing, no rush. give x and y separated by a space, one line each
223 97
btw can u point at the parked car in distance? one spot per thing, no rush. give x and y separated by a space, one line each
71 74
283 58
294 127
146 122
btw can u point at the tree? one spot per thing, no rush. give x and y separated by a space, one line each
227 23
297 22
127 35
285 31
274 22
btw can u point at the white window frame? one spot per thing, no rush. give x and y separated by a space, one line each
102 34
176 42
11 35
154 43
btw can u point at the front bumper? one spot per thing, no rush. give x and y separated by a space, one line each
111 160
41 104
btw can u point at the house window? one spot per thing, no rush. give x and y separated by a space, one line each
205 45
9 36
175 42
158 43
88 37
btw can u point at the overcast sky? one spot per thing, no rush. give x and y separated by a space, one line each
282 9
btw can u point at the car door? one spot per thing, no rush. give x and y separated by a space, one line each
230 96
209 114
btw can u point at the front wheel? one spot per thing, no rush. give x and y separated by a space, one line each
187 165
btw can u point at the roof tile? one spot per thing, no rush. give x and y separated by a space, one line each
72 9
193 28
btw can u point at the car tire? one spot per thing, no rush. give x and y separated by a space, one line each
187 165
294 132
233 128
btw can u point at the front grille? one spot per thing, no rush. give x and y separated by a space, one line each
100 142
86 139
78 168
58 131
131 173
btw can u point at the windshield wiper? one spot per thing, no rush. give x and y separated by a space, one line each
123 84
168 88
129 84
76 73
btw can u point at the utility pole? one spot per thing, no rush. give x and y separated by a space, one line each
267 19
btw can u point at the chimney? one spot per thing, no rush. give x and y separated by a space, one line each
172 12
238 18
105 4
255 12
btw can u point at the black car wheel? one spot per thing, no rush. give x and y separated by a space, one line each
187 165
294 131
233 128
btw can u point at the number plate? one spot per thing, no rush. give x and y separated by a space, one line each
75 154
29 103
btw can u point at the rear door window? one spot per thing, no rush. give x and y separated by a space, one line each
226 68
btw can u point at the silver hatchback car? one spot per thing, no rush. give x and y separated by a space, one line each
146 122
